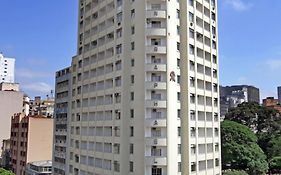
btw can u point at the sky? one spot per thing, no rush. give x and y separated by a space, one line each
42 36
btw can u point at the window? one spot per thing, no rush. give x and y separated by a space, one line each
132 131
156 171
179 113
131 166
178 13
178 46
132 62
132 96
179 148
132 79
178 63
191 49
191 33
133 13
179 166
179 131
131 148
133 45
133 30
193 166
132 113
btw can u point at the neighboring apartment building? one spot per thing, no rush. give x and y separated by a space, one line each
7 69
231 96
11 102
31 140
39 168
272 103
63 91
279 94
5 160
40 106
144 90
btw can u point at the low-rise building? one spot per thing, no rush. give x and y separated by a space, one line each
271 102
39 168
31 140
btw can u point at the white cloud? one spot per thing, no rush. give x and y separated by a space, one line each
239 5
29 74
38 87
274 64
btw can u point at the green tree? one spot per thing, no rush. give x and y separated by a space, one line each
260 119
240 150
234 172
275 165
5 172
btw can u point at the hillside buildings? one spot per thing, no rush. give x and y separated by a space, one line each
7 69
143 96
231 96
40 106
31 140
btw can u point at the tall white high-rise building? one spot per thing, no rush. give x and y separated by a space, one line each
144 89
7 69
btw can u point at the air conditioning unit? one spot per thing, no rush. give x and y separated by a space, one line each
191 24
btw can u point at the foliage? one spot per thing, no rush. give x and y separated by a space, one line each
5 172
275 165
258 118
240 150
234 172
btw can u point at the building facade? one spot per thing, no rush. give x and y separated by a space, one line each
231 96
144 89
39 168
5 159
7 69
31 140
272 103
63 90
11 102
279 94
40 106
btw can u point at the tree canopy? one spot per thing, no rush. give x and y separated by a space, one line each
240 150
5 172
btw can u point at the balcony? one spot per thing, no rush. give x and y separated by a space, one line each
156 32
156 14
160 161
60 154
156 67
156 85
156 49
156 122
155 104
153 141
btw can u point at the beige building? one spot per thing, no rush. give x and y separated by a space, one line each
144 98
31 140
11 102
